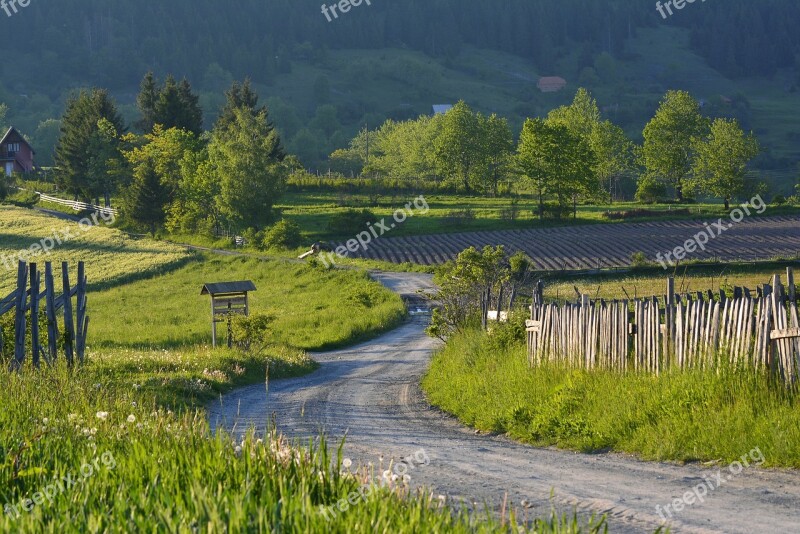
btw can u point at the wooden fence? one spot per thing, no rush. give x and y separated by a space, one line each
698 330
27 297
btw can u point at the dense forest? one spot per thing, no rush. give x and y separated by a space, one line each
111 43
52 49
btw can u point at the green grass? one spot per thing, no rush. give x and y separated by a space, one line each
690 416
653 281
112 257
314 309
155 470
312 211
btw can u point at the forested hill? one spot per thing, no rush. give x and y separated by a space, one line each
112 42
324 81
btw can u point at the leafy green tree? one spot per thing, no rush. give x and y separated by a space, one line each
459 147
173 105
81 120
469 287
499 148
720 160
612 149
558 163
251 178
45 140
3 113
667 151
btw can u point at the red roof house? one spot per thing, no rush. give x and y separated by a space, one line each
551 84
16 154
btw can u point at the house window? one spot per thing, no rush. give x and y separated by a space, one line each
13 148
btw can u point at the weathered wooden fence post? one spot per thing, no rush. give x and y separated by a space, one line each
19 320
50 307
82 319
69 325
35 283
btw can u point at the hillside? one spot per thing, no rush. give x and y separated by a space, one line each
370 70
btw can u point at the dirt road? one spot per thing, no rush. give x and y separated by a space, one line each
371 393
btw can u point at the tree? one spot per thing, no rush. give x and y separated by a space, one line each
145 198
612 149
106 163
458 148
45 140
666 153
81 120
146 102
469 287
499 147
3 112
172 105
239 96
557 162
720 162
251 178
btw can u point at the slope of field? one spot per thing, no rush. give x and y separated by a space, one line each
598 246
111 256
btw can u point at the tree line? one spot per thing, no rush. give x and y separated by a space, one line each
571 155
174 175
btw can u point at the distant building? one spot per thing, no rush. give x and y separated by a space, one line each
441 109
551 84
16 154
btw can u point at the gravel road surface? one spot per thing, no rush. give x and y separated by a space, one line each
371 393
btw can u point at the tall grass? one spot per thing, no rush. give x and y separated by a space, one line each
138 467
683 416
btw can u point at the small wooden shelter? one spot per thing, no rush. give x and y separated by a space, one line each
227 299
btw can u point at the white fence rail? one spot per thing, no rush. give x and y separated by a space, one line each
77 206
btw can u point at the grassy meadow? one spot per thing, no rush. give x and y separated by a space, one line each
487 383
122 444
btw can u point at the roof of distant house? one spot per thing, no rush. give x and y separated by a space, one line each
551 84
13 130
439 109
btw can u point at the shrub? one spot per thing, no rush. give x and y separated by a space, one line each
650 190
460 217
283 235
778 200
252 332
351 221
639 259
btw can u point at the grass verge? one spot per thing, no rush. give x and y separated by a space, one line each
689 416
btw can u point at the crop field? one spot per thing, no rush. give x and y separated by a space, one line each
600 246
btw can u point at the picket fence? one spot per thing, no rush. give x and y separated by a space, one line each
700 330
27 297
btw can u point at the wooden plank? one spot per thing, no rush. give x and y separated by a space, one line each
80 335
69 325
35 282
50 309
789 333
19 320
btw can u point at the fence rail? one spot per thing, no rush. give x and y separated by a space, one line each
28 297
75 205
690 331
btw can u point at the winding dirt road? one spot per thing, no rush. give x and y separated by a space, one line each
371 393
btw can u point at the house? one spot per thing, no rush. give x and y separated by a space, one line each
16 154
551 84
441 109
